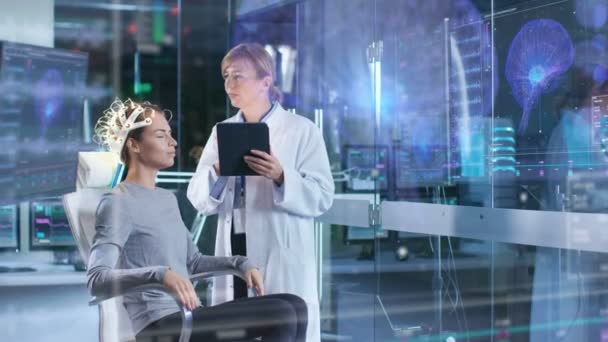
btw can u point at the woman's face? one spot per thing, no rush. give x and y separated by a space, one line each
156 148
243 86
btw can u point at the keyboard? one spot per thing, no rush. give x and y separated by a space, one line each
5 269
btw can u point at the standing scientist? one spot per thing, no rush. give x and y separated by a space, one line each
268 218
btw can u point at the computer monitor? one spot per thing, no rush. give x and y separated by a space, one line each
49 228
41 119
558 117
367 167
421 157
8 227
416 169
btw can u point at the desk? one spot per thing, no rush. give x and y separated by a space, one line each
46 275
47 305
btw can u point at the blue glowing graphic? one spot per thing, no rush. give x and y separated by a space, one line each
504 149
536 75
424 136
49 95
600 74
473 164
540 53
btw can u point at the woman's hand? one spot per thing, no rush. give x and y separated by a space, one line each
182 288
266 165
254 280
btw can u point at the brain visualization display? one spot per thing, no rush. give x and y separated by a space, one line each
41 114
524 75
541 52
553 65
49 90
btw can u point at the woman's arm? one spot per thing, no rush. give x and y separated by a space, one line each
199 263
206 190
112 230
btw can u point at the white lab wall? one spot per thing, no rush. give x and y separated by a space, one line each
27 21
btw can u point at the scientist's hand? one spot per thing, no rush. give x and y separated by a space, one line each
254 279
266 165
182 288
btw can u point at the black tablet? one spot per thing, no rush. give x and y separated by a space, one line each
236 140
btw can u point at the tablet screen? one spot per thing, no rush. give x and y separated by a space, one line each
235 141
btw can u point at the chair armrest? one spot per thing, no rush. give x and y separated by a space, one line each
213 274
186 329
96 300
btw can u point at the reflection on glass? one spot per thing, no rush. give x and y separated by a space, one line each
42 119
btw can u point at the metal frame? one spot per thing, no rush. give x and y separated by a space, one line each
349 210
186 330
567 230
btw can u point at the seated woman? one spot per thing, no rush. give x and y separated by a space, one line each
141 239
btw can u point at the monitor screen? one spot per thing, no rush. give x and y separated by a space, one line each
49 225
557 118
421 159
40 119
8 227
367 165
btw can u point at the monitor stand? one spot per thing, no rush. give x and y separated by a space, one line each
61 257
69 257
367 252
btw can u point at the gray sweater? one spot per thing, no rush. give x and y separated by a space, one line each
139 236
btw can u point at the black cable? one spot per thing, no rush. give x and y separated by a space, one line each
464 314
579 281
452 280
542 205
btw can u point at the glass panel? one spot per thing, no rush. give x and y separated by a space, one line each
320 48
63 63
335 88
550 108
436 100
524 123
335 80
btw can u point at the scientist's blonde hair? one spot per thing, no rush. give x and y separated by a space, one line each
262 63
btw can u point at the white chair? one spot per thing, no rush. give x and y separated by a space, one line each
96 172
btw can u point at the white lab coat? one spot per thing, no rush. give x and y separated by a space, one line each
278 220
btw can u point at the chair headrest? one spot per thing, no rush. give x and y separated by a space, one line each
96 169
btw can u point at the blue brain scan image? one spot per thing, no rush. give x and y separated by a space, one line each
541 52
